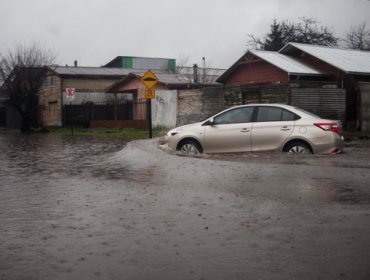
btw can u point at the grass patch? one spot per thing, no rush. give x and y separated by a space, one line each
122 133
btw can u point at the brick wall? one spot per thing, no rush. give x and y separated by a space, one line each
198 104
270 93
189 106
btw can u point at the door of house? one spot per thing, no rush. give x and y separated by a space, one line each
2 116
365 107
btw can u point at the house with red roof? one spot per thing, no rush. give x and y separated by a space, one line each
318 66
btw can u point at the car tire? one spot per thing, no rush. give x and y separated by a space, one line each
298 148
190 148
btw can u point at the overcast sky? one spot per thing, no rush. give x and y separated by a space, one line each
95 31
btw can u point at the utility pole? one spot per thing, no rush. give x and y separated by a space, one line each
204 70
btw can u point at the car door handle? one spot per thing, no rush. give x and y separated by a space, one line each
245 130
285 128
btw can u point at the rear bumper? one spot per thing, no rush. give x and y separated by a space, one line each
333 146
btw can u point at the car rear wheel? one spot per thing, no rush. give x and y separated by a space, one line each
190 148
298 148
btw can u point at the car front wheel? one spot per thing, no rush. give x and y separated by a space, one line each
190 148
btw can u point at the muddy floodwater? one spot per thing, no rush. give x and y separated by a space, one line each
91 208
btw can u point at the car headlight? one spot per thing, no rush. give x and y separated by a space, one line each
174 131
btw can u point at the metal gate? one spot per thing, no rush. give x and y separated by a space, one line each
325 102
83 114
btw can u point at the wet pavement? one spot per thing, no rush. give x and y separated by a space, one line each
89 208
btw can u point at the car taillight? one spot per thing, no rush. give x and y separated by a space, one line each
329 127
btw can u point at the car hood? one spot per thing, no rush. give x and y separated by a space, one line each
188 125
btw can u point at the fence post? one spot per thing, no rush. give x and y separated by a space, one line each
115 107
70 104
149 117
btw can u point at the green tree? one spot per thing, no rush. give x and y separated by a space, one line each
273 40
23 71
282 32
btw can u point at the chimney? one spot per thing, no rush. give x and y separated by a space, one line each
75 63
195 73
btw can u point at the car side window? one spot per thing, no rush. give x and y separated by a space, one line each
269 114
274 114
289 116
237 115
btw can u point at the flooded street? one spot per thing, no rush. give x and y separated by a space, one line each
89 208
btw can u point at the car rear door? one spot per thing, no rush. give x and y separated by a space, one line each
272 126
230 131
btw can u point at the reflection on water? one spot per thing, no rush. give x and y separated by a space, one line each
80 208
62 197
52 155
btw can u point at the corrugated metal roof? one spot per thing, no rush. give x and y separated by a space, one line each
91 71
286 63
95 71
170 80
209 71
185 79
347 60
178 79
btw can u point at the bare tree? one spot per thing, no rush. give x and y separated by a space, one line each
181 63
358 37
23 71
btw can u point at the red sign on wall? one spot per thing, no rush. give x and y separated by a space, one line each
70 94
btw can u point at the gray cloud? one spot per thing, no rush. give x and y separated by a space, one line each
95 31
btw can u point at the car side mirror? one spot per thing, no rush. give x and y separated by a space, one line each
209 122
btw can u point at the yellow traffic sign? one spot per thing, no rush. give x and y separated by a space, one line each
149 79
149 94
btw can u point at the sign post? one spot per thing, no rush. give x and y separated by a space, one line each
70 96
149 80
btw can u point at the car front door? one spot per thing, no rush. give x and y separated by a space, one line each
271 127
230 131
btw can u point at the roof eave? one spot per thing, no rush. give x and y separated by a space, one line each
307 74
357 73
113 87
91 76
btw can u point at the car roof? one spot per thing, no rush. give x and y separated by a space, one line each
267 104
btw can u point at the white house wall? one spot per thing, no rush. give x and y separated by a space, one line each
164 108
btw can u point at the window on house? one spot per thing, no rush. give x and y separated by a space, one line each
49 81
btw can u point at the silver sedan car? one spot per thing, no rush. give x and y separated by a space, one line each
258 127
